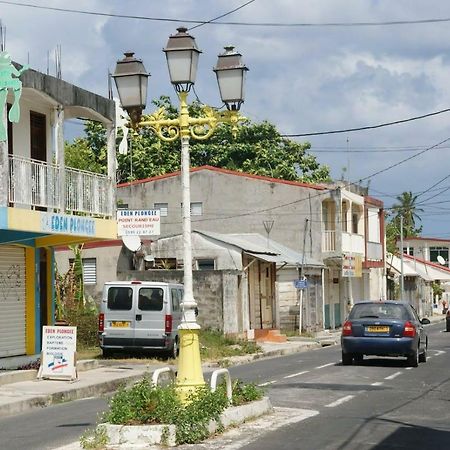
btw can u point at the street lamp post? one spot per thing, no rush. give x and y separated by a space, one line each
131 81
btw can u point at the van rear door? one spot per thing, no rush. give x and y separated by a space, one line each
150 317
119 316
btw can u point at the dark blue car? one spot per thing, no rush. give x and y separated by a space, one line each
384 328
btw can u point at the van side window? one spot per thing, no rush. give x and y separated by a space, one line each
150 299
176 300
120 298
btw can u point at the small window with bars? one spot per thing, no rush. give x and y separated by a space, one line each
163 208
89 270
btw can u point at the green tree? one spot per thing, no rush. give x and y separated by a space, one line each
258 149
407 208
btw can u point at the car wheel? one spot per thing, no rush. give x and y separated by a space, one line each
358 358
447 328
413 360
347 359
423 355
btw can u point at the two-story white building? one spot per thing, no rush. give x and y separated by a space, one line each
44 204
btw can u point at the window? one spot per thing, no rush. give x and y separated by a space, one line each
205 264
355 220
163 208
120 298
408 251
439 251
176 298
344 216
150 299
196 208
89 270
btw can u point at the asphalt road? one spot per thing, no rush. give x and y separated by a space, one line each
379 404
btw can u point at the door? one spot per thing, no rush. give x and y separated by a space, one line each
38 136
150 315
12 301
267 294
119 316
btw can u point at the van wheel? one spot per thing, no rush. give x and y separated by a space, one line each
106 352
173 353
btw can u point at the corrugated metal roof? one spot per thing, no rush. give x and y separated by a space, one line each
261 247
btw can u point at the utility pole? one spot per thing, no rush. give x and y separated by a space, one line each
402 281
302 277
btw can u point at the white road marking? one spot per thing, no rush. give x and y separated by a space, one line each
267 383
325 365
394 375
410 368
377 383
438 352
340 401
296 374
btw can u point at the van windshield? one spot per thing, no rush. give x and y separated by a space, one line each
150 299
120 298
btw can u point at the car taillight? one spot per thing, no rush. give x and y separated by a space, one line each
101 322
347 328
168 323
409 330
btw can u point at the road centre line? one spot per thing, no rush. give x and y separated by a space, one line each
409 368
325 365
394 375
296 374
340 401
267 383
377 383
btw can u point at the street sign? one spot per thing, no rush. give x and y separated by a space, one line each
301 284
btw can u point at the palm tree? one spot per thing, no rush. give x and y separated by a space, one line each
407 208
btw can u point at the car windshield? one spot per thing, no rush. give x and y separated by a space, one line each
378 311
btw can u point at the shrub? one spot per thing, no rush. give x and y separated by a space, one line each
144 403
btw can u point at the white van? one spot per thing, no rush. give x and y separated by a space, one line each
140 315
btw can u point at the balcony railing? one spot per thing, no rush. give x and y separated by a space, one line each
37 184
374 251
329 241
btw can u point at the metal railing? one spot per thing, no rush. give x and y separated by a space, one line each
328 240
37 184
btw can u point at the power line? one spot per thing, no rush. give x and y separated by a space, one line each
222 15
249 24
370 127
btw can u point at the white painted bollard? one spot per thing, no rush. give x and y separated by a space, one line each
158 372
227 377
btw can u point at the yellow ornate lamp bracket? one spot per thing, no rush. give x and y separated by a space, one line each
198 128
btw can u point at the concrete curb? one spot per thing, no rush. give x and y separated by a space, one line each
129 436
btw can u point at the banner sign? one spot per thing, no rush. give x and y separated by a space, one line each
59 345
351 265
142 222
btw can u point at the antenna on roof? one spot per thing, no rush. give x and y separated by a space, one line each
2 37
110 91
48 62
58 53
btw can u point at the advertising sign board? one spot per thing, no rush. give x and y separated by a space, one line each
138 222
59 345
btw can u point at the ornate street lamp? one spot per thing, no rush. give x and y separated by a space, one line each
230 72
182 60
131 77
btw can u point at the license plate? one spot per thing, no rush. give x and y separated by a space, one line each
117 324
377 329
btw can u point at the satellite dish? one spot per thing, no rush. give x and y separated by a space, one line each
132 243
441 260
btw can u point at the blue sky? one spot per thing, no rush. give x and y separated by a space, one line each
303 79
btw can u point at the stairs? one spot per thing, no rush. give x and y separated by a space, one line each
269 335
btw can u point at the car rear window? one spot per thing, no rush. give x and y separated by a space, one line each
120 298
379 311
151 299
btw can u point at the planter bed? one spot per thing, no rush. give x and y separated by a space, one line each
129 436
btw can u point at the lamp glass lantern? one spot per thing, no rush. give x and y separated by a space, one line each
182 59
230 72
131 80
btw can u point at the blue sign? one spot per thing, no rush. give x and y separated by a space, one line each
301 284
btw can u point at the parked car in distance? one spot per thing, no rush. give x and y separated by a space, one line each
447 320
384 328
